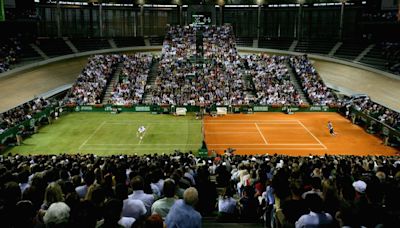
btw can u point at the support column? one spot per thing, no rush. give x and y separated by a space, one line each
101 19
180 15
141 20
221 15
258 22
299 21
58 19
134 23
341 20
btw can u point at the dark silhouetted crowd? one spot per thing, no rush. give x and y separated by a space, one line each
179 189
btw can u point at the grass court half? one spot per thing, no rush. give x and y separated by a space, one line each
107 134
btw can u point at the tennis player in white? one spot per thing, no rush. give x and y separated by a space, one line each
141 131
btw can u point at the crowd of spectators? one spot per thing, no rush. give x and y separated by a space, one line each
379 112
179 189
381 16
9 53
184 82
26 111
391 52
272 80
90 86
223 73
312 83
132 81
176 79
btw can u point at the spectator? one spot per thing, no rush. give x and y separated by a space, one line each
248 205
182 213
83 189
294 207
227 210
132 81
162 206
373 199
272 80
89 87
137 185
112 214
57 215
132 208
15 116
311 81
9 53
316 217
52 195
26 215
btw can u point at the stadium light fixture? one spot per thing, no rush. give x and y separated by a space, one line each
177 2
221 2
301 2
260 2
141 2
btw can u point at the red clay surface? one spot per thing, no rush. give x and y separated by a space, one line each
298 134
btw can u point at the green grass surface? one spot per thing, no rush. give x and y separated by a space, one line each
106 134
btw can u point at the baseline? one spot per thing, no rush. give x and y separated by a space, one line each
90 136
312 134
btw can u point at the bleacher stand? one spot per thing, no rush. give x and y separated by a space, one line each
248 190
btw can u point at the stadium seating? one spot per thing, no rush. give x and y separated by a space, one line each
350 49
9 53
244 41
280 44
53 47
311 81
156 40
89 87
315 46
90 44
132 80
28 54
128 41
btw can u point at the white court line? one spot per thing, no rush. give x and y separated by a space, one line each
312 134
261 144
229 133
266 148
131 144
129 149
90 136
160 122
253 122
259 131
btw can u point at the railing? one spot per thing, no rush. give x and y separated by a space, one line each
190 108
374 126
30 123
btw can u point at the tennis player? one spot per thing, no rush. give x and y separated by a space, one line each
140 132
330 127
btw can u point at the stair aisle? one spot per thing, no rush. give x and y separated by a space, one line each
151 81
114 80
248 86
296 83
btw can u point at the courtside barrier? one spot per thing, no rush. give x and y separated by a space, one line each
190 108
27 124
374 126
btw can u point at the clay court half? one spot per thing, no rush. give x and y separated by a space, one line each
298 134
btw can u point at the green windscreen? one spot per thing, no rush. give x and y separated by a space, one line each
2 16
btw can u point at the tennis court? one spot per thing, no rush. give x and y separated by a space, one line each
298 134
